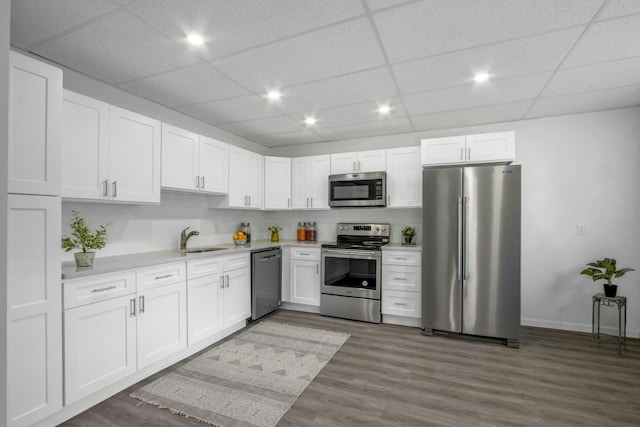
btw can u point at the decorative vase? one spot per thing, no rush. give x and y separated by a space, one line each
610 290
275 236
84 259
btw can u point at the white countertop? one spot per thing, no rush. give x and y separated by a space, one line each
102 265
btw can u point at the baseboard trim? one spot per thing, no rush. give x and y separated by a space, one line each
577 327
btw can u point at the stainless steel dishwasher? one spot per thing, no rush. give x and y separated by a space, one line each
266 281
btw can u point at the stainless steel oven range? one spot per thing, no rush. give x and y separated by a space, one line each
351 271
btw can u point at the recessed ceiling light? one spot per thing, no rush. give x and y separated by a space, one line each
195 39
481 77
274 95
309 121
384 109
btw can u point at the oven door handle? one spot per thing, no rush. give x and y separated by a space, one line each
352 253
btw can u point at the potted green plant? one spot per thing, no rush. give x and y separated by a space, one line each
275 232
82 238
408 232
605 269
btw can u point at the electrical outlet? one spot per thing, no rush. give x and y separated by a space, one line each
581 230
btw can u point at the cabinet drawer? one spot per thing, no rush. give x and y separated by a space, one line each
160 275
233 262
401 257
398 303
305 253
204 267
401 278
98 288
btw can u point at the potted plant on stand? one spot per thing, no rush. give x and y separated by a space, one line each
408 233
82 238
605 269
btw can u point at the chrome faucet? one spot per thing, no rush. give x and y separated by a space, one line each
184 237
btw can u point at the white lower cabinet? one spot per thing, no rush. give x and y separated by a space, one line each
304 276
401 285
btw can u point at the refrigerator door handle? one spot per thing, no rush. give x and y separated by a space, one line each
459 239
465 209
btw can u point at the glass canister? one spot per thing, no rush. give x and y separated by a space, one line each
302 231
245 227
312 233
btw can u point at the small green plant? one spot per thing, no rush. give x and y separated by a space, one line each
273 228
82 238
604 269
408 231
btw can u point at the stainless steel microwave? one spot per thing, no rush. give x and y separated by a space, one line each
364 189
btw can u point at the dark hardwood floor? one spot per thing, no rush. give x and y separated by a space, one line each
386 375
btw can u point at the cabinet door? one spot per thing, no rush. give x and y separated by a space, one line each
491 147
237 296
180 157
299 172
372 161
344 163
134 157
398 303
35 124
277 183
318 181
204 304
305 282
401 278
99 346
404 177
253 167
85 141
34 308
214 166
237 193
162 323
437 151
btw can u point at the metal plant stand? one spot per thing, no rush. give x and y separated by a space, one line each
621 302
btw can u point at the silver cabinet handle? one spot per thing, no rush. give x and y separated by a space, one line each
227 277
166 276
132 307
388 199
198 181
307 202
400 278
115 189
303 253
317 268
469 153
359 166
249 200
399 258
399 303
104 289
222 282
312 202
202 185
354 166
288 203
461 153
105 188
141 302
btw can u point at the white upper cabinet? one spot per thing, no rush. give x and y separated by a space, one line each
109 153
481 148
35 116
310 182
404 177
362 161
85 156
245 179
193 162
277 183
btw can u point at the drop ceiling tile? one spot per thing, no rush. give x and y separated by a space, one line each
33 21
471 116
266 126
330 52
433 27
232 26
232 110
350 89
288 138
607 41
190 85
363 130
476 95
358 113
607 99
383 4
116 49
617 8
605 75
522 56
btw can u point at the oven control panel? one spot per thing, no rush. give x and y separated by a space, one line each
357 229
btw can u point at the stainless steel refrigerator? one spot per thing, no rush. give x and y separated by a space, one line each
471 251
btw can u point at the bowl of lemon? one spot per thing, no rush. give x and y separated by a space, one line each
240 238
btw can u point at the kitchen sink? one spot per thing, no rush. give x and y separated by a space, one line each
201 250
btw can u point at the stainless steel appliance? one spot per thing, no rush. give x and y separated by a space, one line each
471 251
364 189
266 281
351 271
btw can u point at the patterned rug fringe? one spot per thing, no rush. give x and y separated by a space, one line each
175 411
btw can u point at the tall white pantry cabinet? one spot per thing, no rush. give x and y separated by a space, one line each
34 318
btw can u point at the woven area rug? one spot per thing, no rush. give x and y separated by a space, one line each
250 380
